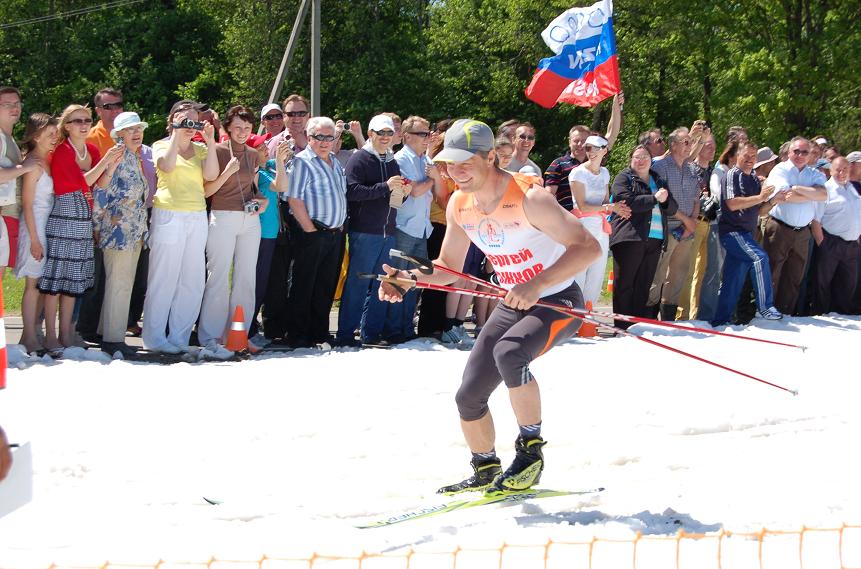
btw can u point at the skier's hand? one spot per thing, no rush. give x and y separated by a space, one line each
523 296
387 292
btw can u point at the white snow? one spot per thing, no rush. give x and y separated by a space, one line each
301 447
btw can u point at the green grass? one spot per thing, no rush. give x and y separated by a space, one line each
607 299
12 290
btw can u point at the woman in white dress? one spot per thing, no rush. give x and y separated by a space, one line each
590 189
37 196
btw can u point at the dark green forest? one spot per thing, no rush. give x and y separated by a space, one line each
778 67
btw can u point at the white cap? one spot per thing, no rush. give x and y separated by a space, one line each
596 140
270 107
821 140
381 122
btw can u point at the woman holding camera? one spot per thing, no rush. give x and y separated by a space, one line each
120 217
178 233
233 241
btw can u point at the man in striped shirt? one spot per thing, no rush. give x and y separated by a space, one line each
317 193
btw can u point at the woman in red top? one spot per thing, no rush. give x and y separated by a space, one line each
68 271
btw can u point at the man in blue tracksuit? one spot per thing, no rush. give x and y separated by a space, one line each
372 177
741 199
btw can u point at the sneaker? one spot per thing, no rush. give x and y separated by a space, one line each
259 341
111 348
770 313
217 351
465 338
485 472
450 336
166 348
526 469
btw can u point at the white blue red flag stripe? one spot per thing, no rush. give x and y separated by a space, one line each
585 70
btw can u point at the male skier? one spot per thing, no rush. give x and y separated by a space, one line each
536 248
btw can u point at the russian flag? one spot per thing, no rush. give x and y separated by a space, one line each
585 70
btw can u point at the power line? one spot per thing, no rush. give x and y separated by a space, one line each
70 13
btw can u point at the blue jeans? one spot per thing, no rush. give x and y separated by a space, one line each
360 305
403 312
743 256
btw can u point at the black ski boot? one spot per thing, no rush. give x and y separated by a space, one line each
526 469
485 472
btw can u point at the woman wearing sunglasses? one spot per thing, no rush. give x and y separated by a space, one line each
589 187
234 233
120 217
75 168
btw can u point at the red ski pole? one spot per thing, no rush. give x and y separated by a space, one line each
424 264
403 284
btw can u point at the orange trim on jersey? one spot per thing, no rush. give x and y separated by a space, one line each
556 328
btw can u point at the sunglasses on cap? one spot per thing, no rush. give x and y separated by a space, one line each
274 117
384 132
526 136
296 113
112 106
322 137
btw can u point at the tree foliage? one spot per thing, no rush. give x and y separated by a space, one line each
779 67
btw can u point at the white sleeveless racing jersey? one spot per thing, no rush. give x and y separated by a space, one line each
517 250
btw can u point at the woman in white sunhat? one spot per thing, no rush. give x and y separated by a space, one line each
120 218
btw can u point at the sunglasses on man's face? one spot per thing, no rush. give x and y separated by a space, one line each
590 148
423 134
277 117
112 106
322 137
526 136
658 140
384 132
81 121
296 113
798 152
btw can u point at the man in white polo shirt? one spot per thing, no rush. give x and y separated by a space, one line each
786 235
836 228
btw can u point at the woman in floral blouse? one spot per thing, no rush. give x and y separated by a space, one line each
120 218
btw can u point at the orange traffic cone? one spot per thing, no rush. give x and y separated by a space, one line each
237 337
587 329
610 282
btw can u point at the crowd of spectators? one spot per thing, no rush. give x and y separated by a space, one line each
113 233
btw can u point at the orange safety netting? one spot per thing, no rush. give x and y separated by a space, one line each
806 548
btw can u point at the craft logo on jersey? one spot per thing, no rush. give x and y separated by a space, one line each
491 233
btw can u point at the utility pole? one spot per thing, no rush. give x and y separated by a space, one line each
315 58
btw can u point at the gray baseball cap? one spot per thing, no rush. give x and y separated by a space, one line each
463 139
853 157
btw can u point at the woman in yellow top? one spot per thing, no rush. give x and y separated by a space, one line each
178 230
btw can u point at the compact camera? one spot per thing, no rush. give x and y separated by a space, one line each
252 207
188 123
